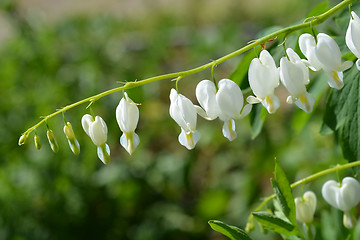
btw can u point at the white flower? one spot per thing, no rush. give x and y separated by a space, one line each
307 46
263 79
325 54
305 207
226 103
353 37
127 116
183 111
97 131
294 75
343 196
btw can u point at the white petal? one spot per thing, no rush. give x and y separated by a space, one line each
230 99
305 207
183 111
202 113
188 140
98 131
127 114
86 120
263 75
358 64
306 102
246 110
253 100
328 52
307 46
271 103
129 141
335 79
329 191
293 76
352 37
229 129
205 94
350 193
103 153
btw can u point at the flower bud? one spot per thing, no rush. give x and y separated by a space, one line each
52 141
305 207
37 142
22 139
70 135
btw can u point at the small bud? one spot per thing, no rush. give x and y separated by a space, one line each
349 220
52 141
37 142
22 139
70 135
69 132
305 207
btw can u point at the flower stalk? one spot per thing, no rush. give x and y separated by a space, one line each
316 20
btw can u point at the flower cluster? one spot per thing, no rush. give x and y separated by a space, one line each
224 100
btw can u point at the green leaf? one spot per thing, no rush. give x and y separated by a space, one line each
232 232
342 115
274 223
240 74
319 9
283 193
257 118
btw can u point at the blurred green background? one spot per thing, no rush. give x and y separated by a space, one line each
53 53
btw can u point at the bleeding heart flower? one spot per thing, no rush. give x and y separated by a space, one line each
305 207
343 196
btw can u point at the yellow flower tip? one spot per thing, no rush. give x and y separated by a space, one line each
189 139
231 131
339 84
305 102
270 104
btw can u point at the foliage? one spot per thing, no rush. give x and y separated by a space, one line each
162 191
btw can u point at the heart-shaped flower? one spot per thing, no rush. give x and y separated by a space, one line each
305 207
343 196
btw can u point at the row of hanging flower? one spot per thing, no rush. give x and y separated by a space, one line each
224 100
343 196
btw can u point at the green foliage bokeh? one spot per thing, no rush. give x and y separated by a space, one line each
163 191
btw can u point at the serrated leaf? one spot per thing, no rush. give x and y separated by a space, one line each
232 232
342 115
284 194
257 118
274 223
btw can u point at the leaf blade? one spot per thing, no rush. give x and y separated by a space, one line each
231 232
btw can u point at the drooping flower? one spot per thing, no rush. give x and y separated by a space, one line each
226 103
326 55
127 116
263 79
70 135
352 37
183 111
294 75
97 131
305 207
307 46
343 196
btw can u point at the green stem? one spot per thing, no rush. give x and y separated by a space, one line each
315 21
310 179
